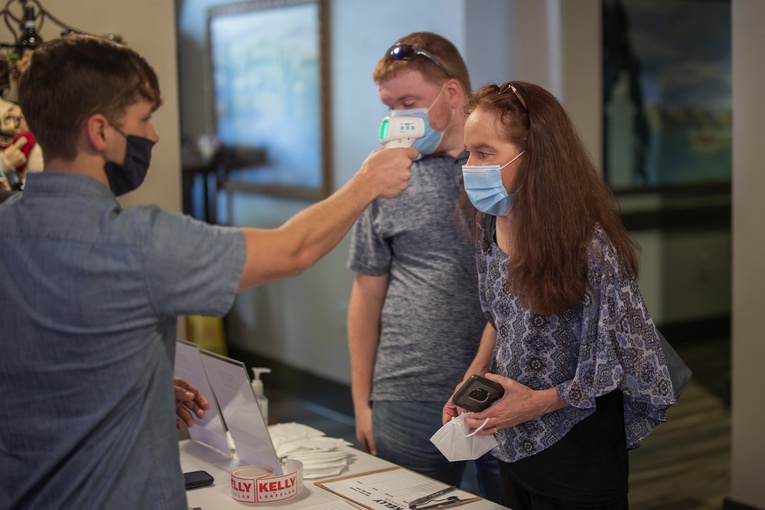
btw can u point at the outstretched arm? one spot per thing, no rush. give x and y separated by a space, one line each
290 249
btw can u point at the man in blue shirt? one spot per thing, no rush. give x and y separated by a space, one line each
90 292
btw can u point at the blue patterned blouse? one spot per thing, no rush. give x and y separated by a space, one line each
606 343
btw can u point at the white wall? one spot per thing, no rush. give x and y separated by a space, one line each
748 410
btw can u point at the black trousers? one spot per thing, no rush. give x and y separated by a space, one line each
587 469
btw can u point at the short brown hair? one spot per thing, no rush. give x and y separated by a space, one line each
71 78
441 48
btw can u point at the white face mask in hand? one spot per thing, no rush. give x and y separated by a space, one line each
456 441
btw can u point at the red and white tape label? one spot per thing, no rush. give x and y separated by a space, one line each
255 484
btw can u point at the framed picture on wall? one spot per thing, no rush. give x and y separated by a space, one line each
667 95
268 94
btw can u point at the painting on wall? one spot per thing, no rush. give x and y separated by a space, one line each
666 93
267 79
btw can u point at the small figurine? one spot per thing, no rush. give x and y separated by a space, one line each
19 151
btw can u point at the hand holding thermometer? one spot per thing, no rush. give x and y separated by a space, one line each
400 131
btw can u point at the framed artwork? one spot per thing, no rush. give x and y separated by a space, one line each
667 94
268 88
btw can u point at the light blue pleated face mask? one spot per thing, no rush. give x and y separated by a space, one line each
429 142
485 190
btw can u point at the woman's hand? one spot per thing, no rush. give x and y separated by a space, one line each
450 408
518 405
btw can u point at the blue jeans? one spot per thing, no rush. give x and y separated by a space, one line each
402 432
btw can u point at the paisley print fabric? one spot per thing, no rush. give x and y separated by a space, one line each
606 343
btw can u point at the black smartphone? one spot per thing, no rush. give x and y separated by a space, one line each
477 394
196 479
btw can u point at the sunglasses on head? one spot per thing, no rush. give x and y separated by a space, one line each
403 51
508 85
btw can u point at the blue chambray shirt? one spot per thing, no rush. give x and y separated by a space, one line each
89 297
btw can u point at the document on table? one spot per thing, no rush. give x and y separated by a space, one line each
393 489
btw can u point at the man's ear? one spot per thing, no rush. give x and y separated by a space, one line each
454 92
95 130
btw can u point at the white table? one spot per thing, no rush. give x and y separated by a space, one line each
218 495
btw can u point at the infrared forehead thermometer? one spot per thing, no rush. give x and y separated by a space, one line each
400 131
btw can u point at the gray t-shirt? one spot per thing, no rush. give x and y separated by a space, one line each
431 319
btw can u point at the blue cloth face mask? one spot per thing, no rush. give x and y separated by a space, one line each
432 138
124 178
485 190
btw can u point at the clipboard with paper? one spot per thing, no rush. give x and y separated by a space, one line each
396 488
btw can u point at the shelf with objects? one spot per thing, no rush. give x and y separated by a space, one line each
19 151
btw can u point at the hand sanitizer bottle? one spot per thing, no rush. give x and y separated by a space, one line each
257 389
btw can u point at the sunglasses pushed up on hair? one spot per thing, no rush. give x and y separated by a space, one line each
403 51
508 86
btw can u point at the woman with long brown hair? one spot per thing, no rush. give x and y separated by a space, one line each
568 336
